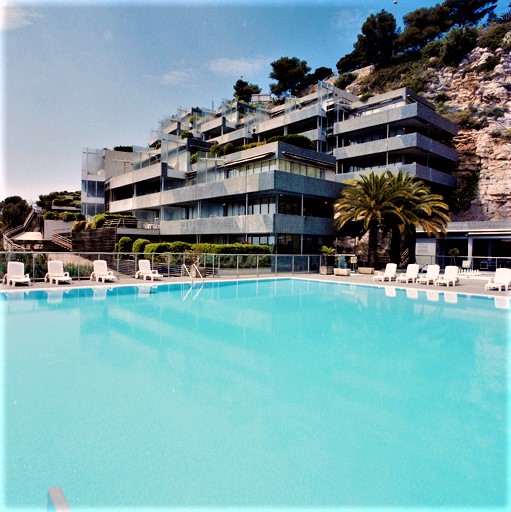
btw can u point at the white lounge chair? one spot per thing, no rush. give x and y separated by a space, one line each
450 276
431 276
145 271
101 272
501 279
411 274
389 273
56 273
16 274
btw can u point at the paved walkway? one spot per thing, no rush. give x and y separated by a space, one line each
473 285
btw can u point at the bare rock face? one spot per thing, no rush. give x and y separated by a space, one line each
485 150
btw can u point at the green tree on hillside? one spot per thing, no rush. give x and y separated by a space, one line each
376 44
422 26
290 73
320 73
14 211
457 44
469 12
243 90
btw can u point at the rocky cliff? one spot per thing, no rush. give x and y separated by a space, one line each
477 95
480 100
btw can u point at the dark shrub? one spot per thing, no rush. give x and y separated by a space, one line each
488 65
295 140
493 37
51 216
345 79
124 244
457 44
79 225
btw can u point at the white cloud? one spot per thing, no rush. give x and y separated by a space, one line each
238 67
12 17
177 77
108 36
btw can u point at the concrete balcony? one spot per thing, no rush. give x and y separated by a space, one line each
412 112
237 225
426 174
403 143
236 135
171 127
315 135
128 178
216 125
251 224
271 181
149 201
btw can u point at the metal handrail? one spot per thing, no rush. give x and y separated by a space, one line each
194 266
183 266
63 241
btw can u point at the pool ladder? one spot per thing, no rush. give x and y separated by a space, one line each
193 268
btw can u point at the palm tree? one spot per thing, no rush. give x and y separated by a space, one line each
371 200
420 208
397 203
428 211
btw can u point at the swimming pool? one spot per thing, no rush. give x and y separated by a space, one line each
270 394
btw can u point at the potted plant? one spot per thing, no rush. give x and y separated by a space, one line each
327 260
453 253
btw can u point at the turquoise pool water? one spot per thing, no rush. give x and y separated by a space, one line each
276 394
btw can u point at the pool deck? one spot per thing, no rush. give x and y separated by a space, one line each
467 285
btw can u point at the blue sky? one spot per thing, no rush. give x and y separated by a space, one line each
77 75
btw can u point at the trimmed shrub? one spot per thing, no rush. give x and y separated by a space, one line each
63 201
228 148
98 221
124 244
295 140
139 245
79 225
68 216
51 216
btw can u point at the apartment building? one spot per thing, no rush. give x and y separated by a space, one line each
272 192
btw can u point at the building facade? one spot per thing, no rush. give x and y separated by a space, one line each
267 192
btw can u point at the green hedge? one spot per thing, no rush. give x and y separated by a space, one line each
66 216
204 248
161 247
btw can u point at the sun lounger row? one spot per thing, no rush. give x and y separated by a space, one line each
450 277
16 273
